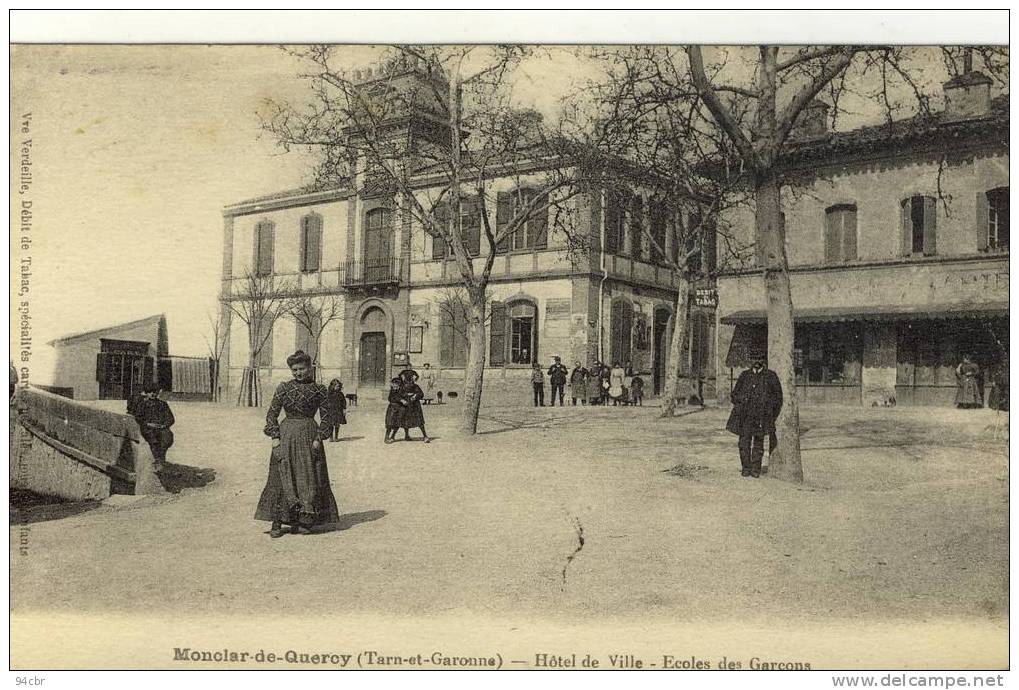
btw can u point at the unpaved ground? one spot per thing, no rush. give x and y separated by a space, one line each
904 516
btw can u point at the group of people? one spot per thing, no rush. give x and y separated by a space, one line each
404 410
969 390
595 386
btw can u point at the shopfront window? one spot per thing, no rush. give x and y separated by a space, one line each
828 354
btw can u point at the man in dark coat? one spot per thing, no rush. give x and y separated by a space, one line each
557 374
154 419
756 402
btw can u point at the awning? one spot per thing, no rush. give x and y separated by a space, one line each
877 313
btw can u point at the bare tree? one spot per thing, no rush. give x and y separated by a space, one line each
474 137
215 342
756 100
642 105
314 313
260 302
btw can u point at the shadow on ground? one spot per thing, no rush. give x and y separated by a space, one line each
353 519
175 478
28 506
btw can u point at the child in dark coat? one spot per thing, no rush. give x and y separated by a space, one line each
337 409
154 419
396 409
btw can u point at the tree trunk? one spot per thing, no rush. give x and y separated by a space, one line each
785 463
474 376
671 392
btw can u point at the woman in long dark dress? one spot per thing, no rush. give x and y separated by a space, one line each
297 491
413 415
967 392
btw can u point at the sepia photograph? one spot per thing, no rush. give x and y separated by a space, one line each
438 349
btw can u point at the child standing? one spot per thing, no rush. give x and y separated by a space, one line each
395 411
337 409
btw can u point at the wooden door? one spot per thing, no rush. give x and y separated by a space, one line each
373 359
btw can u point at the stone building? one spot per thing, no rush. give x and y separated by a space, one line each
397 286
897 238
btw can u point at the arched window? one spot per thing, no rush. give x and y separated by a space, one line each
996 228
919 225
621 331
311 243
264 231
513 336
840 233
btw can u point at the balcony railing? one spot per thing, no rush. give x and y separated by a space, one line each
366 273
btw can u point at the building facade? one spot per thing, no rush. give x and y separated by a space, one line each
897 239
396 288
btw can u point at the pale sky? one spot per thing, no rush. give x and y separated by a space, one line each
135 151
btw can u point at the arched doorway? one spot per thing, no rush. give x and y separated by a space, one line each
373 364
661 347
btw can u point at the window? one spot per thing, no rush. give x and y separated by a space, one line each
311 243
497 335
615 219
263 339
453 324
523 333
532 234
636 226
308 326
658 219
919 225
691 244
263 247
441 214
828 354
840 233
470 225
997 218
621 331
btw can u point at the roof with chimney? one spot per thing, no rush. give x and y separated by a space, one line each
921 132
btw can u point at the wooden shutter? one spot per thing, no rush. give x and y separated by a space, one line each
983 222
849 234
460 338
637 226
265 246
311 242
594 198
930 226
472 227
441 216
519 198
503 215
537 229
497 331
832 232
613 219
906 223
445 339
101 360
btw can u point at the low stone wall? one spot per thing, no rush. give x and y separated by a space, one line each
63 448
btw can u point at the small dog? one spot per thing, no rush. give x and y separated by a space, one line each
438 396
352 398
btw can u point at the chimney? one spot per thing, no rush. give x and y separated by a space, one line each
967 96
812 122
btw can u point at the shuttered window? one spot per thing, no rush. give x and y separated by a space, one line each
615 217
840 233
503 215
311 243
441 215
621 331
453 326
523 332
497 335
919 225
470 225
636 226
657 213
264 232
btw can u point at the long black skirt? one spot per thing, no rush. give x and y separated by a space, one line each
298 482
